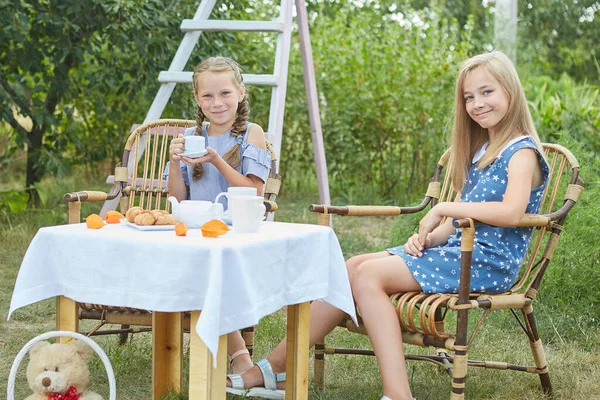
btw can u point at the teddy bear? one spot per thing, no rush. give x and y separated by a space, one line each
59 371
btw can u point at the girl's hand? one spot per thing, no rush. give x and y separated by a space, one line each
211 156
414 247
429 223
176 147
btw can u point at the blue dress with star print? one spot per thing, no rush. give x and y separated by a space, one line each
498 252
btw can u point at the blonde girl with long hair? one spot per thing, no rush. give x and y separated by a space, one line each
499 171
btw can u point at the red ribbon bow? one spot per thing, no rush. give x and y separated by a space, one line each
72 394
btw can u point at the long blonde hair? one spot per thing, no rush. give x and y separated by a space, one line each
222 64
468 136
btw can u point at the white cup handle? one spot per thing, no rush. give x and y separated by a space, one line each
221 195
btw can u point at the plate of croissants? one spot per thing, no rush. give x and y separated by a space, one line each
149 220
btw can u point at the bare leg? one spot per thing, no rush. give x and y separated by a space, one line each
373 280
243 362
323 318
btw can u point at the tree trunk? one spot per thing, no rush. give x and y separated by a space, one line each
34 170
505 28
58 87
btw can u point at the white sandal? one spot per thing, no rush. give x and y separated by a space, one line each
270 379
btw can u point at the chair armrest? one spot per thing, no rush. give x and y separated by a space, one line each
74 200
270 205
356 210
526 220
93 195
368 211
86 195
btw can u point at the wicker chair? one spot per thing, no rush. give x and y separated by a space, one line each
149 144
422 316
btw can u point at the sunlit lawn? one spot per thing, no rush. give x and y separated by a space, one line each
574 364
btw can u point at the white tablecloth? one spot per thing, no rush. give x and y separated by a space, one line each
235 279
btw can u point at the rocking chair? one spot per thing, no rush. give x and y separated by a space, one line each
422 316
141 184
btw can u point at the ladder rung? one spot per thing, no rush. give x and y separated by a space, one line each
208 25
186 77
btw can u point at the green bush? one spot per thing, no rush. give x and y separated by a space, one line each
564 106
386 89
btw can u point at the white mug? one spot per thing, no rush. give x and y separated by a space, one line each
233 191
246 213
194 144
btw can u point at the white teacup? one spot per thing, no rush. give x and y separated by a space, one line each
246 213
194 144
233 191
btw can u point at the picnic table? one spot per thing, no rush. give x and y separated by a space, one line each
227 283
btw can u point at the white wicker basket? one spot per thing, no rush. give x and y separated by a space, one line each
10 390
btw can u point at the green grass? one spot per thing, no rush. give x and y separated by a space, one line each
573 359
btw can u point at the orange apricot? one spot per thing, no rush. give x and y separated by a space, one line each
94 221
181 229
214 228
113 217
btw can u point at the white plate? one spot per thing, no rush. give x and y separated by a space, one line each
197 154
148 227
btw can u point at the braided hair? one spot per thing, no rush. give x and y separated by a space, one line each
222 64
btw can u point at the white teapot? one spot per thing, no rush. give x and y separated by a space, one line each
194 213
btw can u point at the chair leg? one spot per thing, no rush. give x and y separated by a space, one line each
538 351
124 335
459 372
248 335
319 367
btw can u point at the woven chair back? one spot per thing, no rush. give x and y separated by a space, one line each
148 144
560 191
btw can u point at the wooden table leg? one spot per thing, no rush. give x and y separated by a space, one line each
167 353
206 382
298 325
66 316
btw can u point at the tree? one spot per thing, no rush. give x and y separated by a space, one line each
560 37
83 71
55 54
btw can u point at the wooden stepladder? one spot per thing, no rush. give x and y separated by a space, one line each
193 28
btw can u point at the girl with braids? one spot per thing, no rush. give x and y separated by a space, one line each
499 171
237 154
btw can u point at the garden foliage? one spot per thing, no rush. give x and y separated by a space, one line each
75 75
386 88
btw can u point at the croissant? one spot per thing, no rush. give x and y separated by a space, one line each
158 213
144 218
166 219
132 213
